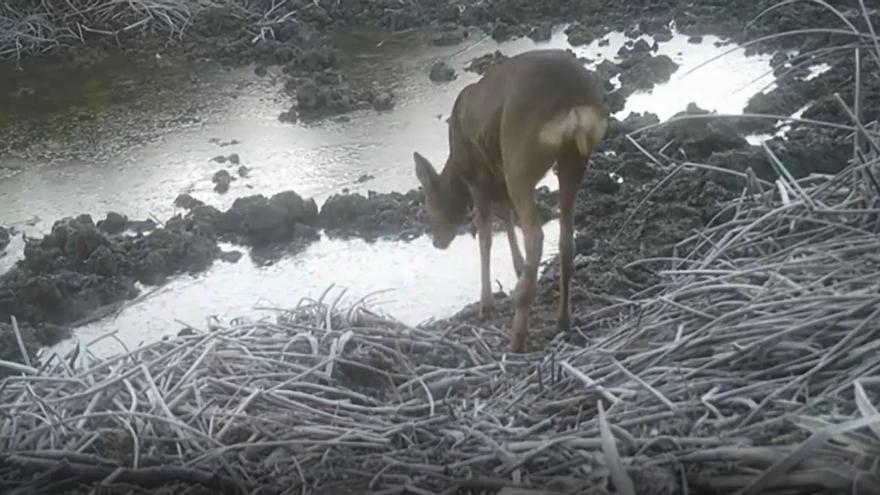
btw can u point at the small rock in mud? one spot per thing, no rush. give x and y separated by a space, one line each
441 72
4 237
231 256
605 184
502 31
328 94
141 226
289 116
616 100
314 60
578 34
450 38
233 158
639 47
642 70
740 160
114 223
373 215
187 202
482 63
383 101
223 144
261 71
700 138
292 31
221 180
243 171
632 122
663 35
258 221
75 238
809 149
607 69
541 32
165 252
364 178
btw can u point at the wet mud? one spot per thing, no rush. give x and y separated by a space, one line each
83 267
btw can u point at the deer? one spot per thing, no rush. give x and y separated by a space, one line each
526 114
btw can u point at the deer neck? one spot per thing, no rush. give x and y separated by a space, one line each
454 179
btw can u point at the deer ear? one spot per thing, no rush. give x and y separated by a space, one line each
425 171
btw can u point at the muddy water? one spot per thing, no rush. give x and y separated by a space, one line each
129 137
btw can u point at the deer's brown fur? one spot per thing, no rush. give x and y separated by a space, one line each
505 132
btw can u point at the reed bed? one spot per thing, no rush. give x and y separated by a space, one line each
751 367
31 27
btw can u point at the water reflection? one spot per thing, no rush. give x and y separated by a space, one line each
124 157
417 280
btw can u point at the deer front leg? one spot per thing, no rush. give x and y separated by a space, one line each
514 244
483 219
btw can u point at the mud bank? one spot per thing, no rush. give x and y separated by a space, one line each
297 36
83 267
83 270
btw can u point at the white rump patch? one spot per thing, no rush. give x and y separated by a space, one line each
581 124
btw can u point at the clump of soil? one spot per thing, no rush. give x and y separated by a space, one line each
374 215
482 63
321 90
78 268
441 72
5 236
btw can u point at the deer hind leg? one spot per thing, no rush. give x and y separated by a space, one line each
521 185
571 172
515 253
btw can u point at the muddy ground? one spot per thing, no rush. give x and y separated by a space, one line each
317 88
84 267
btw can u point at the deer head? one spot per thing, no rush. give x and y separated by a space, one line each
447 202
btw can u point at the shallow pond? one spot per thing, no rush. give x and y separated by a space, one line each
130 138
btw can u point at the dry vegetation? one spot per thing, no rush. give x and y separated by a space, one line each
31 27
751 367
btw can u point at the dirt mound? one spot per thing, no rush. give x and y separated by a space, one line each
5 236
77 268
82 268
374 215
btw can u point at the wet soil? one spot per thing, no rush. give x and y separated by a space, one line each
84 269
317 88
83 266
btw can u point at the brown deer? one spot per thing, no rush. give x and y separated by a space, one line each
506 131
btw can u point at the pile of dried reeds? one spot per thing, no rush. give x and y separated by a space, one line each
752 366
28 27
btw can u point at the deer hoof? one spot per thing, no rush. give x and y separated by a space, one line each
519 332
563 322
